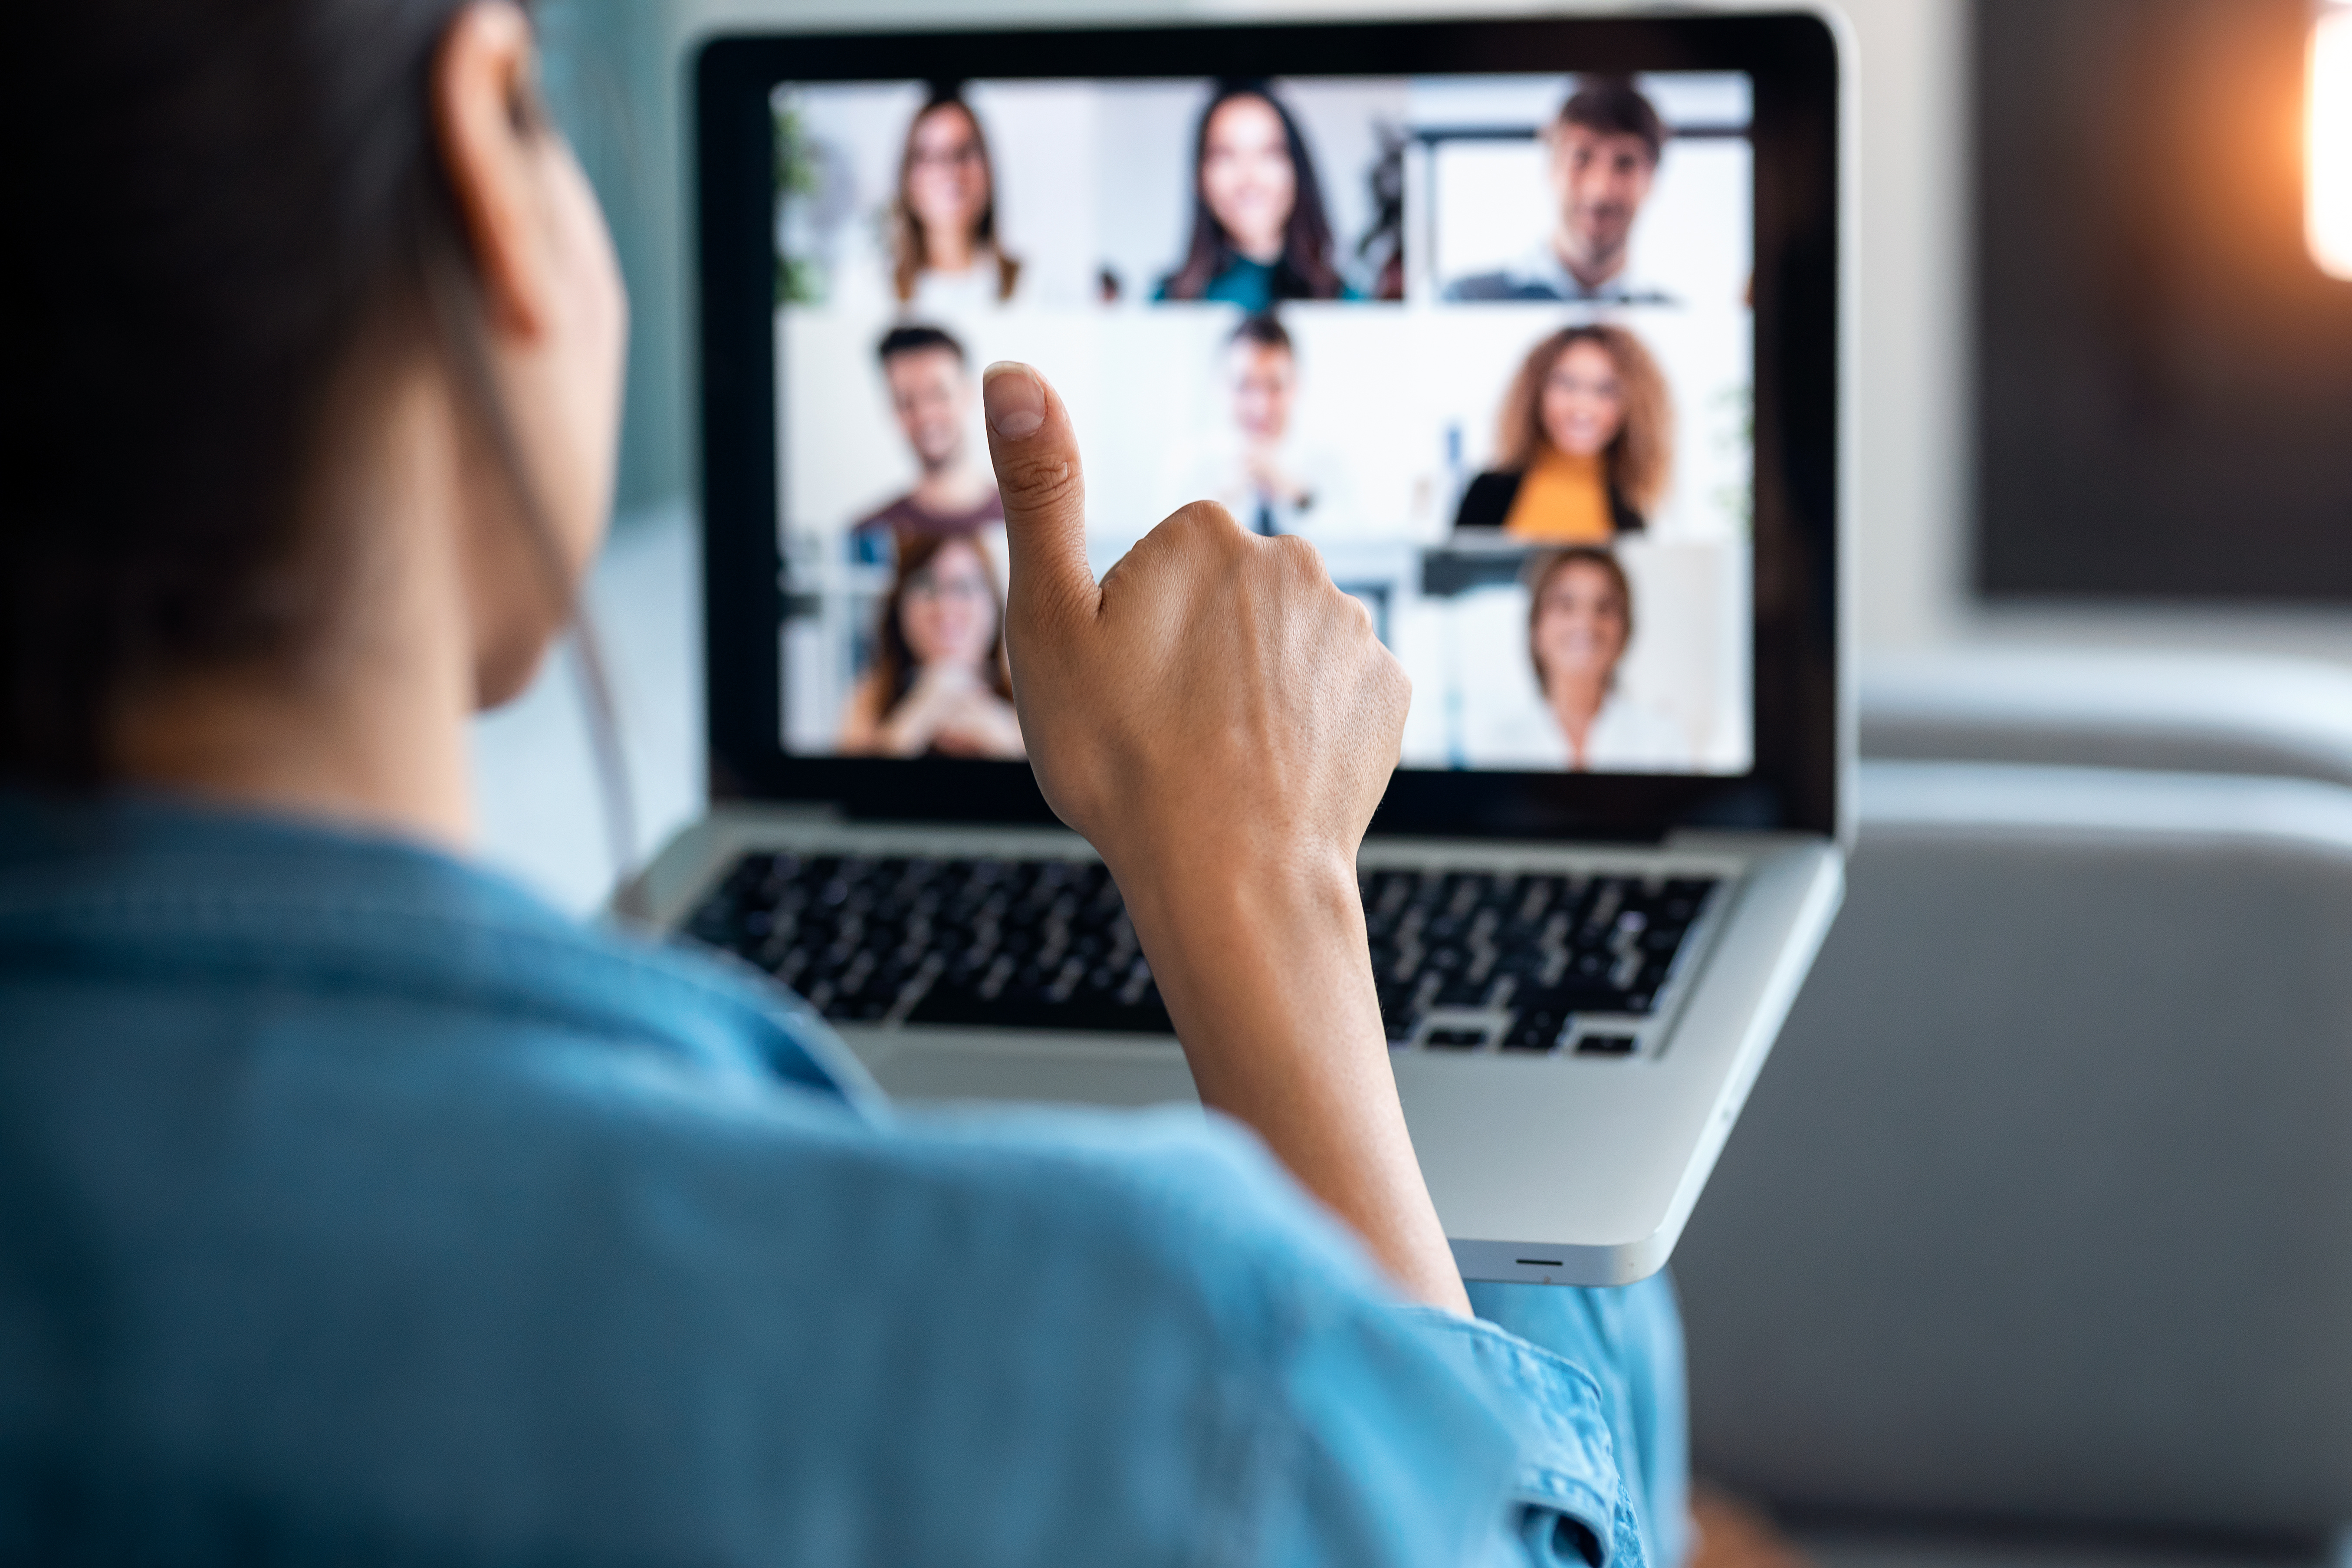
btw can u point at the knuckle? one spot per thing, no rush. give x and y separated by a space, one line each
1210 525
1191 533
1301 559
1204 517
1043 482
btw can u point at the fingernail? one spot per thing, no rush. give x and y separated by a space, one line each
1014 397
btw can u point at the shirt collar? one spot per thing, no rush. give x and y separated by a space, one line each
1542 264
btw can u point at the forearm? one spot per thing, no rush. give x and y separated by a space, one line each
1220 721
1267 975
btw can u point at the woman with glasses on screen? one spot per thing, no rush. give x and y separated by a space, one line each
356 1207
944 257
937 685
1260 234
1585 445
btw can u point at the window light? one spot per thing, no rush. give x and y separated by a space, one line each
2327 140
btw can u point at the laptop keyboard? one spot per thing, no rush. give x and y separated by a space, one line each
1464 959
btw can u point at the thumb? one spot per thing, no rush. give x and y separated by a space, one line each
1044 492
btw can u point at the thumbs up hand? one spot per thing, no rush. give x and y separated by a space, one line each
1213 694
1219 721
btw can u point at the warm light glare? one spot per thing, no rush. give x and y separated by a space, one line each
2327 143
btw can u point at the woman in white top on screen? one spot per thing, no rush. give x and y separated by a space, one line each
1579 623
944 257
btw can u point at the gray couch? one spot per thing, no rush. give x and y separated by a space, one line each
2181 711
2041 1212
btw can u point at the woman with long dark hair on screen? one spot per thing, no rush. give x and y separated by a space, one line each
938 684
356 1207
944 254
1584 447
1260 232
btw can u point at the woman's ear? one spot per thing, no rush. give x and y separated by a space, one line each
487 122
555 328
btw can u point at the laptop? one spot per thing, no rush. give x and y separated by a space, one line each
1535 327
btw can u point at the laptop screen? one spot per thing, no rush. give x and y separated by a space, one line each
1486 340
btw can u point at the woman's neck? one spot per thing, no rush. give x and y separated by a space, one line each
1264 251
948 247
386 761
1575 701
370 729
1555 455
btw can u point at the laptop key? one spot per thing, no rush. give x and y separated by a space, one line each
1533 1030
1609 1045
1035 1010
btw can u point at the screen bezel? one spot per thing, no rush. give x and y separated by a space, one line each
1793 61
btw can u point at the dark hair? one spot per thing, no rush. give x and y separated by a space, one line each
1547 567
1304 270
1384 240
1266 330
1612 106
914 339
894 658
229 210
908 253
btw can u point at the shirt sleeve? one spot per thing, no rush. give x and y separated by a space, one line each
1361 1430
1354 1429
1629 1340
1318 1421
1567 1502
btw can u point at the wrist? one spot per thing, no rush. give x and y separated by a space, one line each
1245 905
1260 954
1267 974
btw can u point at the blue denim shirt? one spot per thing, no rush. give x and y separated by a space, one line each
354 1205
